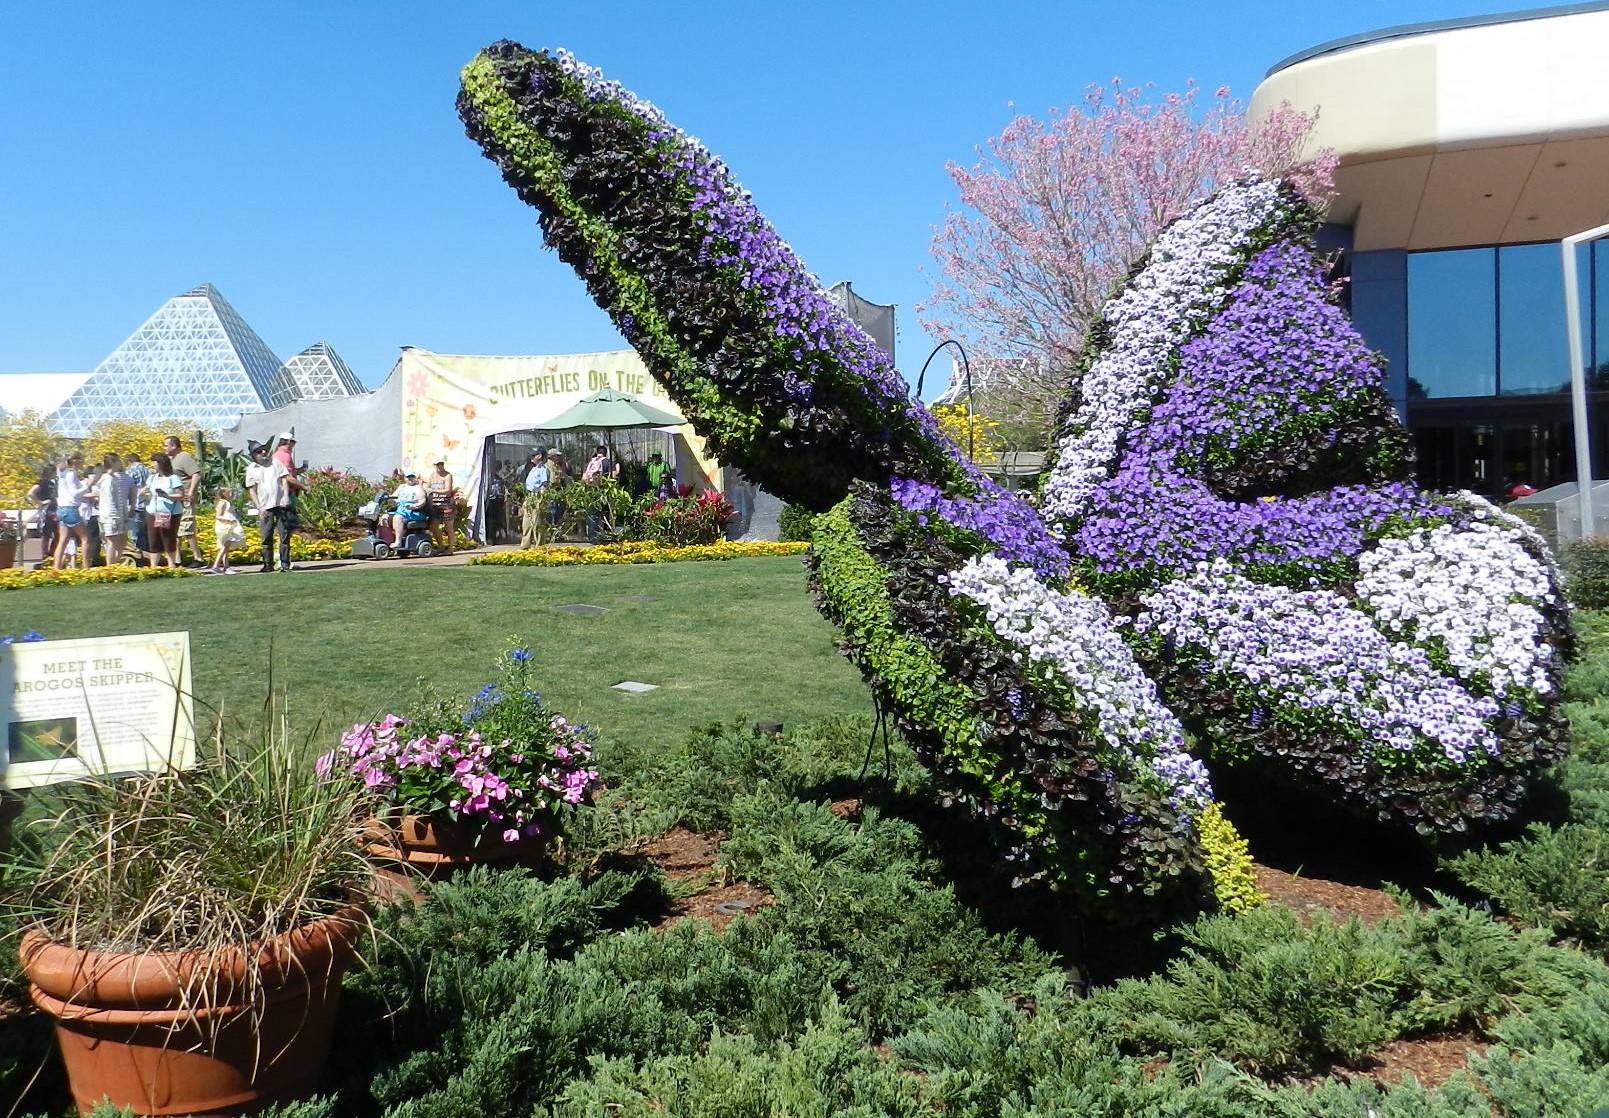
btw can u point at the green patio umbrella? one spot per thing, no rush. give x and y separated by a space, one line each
609 410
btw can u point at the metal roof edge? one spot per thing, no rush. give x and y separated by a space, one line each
1408 30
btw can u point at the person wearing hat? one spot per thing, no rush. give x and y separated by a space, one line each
410 496
656 470
269 484
285 451
533 516
440 495
285 455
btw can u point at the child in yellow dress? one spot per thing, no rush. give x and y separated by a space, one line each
226 527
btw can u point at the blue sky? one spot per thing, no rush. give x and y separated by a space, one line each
307 159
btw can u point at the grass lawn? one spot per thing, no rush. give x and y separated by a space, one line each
722 640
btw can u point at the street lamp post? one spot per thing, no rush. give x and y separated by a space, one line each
966 370
1578 378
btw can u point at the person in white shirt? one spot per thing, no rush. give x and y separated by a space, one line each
410 497
72 512
271 486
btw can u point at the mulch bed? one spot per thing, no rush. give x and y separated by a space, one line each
1310 896
688 859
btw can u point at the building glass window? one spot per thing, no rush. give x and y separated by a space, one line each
1533 349
1452 314
1595 316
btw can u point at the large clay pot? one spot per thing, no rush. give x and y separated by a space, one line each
8 554
181 1033
411 848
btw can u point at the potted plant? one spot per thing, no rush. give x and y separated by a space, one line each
188 929
455 784
10 540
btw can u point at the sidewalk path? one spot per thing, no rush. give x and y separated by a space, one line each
456 559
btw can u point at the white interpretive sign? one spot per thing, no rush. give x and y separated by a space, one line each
70 709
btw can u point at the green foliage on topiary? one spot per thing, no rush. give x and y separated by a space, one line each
768 370
1001 741
795 523
854 591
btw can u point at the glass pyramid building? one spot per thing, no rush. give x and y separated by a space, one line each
318 373
195 363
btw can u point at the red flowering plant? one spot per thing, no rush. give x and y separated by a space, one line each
504 763
684 519
331 499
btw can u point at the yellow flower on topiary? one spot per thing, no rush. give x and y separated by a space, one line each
1228 859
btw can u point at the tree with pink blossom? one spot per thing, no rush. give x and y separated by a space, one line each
1055 212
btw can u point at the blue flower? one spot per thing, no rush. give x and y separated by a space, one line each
520 655
30 636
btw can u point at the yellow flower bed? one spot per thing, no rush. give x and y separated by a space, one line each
632 553
18 579
303 548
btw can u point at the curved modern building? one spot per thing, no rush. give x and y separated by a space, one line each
1468 149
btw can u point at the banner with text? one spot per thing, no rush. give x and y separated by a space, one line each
451 403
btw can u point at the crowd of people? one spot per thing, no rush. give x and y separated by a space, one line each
538 512
521 500
124 510
121 509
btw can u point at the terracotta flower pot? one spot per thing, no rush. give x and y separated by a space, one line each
181 1033
412 847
